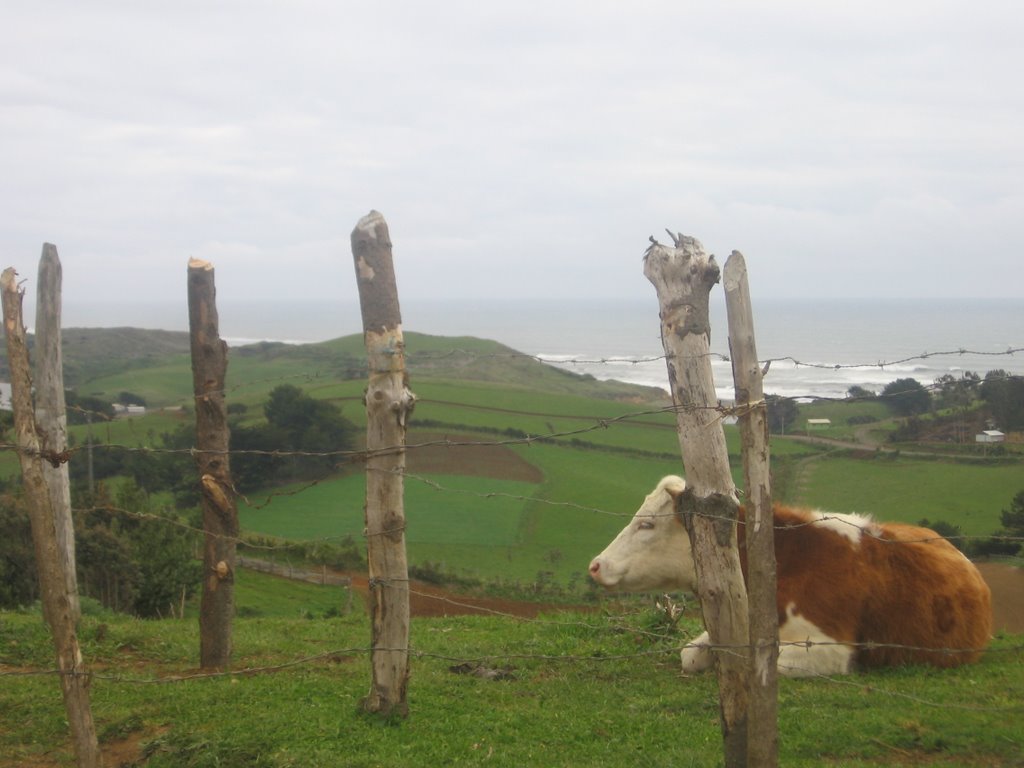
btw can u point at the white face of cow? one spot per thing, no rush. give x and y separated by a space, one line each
653 551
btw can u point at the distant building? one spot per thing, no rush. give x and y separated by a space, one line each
121 409
819 423
990 436
5 397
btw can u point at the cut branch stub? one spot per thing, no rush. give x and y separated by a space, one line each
692 273
375 274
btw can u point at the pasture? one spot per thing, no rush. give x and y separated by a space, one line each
487 498
567 689
551 465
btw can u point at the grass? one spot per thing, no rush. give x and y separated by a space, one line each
260 594
581 689
334 509
969 495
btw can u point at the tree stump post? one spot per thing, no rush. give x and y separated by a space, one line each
683 276
58 607
220 513
763 734
388 405
51 410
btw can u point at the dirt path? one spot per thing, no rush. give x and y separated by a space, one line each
427 600
1007 584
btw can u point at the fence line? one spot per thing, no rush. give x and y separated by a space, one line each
414 358
480 660
599 424
837 517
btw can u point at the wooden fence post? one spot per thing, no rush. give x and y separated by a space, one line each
388 405
220 513
683 277
58 607
51 413
762 731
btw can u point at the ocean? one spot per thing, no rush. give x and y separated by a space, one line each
818 348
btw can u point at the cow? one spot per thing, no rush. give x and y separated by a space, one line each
852 593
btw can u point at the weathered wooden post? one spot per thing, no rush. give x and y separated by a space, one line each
388 405
58 607
683 277
762 731
220 512
51 413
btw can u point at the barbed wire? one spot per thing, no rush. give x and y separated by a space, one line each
413 358
600 423
869 527
481 660
318 374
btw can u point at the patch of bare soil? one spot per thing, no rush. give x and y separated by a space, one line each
457 455
1007 585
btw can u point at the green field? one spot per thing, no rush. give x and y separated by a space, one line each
905 489
576 689
557 462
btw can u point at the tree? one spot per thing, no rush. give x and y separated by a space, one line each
83 409
907 397
782 413
130 398
954 533
1013 518
299 423
857 392
957 391
18 582
1004 396
133 558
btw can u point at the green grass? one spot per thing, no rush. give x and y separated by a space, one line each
583 689
261 594
458 514
969 495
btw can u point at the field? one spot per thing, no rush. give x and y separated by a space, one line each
519 472
566 689
516 477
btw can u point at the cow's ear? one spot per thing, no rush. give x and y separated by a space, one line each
675 488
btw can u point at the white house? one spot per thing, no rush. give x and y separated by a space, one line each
819 423
990 436
5 396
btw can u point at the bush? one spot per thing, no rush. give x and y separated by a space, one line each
907 397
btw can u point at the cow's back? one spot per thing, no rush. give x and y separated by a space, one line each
901 593
931 597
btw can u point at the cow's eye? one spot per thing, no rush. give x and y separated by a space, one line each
645 525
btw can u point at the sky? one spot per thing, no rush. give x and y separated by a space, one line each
516 149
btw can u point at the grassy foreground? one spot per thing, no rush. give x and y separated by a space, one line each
572 689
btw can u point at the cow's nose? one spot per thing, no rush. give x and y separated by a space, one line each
595 566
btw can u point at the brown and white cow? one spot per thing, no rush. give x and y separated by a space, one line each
851 592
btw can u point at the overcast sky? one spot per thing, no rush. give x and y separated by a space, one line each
516 149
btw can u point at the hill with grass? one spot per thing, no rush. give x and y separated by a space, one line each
518 472
98 360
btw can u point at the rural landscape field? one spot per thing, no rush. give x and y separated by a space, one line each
518 473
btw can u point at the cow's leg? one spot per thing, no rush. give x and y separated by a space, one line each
696 656
806 651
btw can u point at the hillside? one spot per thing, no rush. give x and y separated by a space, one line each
95 355
91 352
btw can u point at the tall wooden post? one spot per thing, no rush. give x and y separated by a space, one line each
51 413
58 607
683 277
763 734
388 405
220 513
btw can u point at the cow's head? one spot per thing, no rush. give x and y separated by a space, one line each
653 551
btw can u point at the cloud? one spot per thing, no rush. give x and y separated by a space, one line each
516 149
